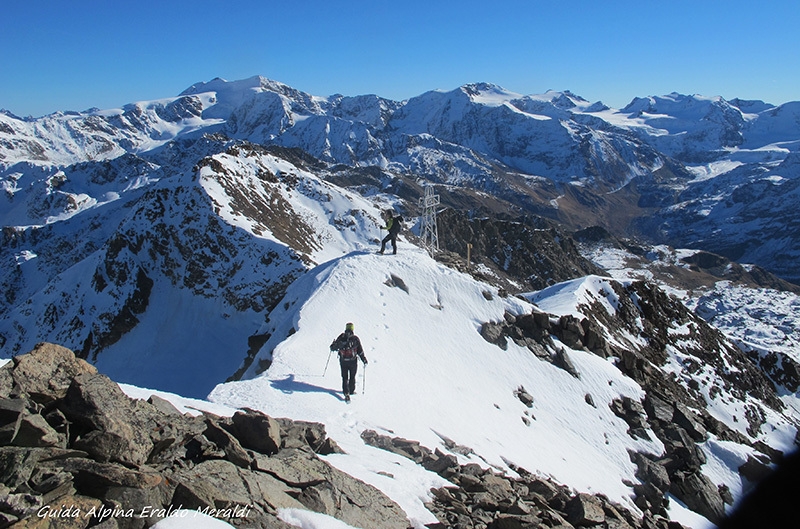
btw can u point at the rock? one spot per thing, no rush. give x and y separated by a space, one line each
396 445
569 331
635 365
726 494
47 371
227 443
544 489
682 451
699 494
331 491
17 465
439 462
33 430
257 431
163 406
10 409
106 415
514 521
8 387
59 423
687 419
539 351
220 484
658 409
524 396
394 281
20 427
781 368
563 361
493 333
632 412
20 505
594 340
498 486
51 483
650 498
295 467
650 471
618 518
93 478
535 325
297 434
585 509
6 518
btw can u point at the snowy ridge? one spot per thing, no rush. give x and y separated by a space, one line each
580 295
208 251
432 376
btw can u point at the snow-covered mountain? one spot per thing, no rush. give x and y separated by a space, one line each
690 171
193 260
219 240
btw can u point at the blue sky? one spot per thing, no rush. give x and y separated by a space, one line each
76 54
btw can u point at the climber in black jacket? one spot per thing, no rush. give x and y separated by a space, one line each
349 348
393 224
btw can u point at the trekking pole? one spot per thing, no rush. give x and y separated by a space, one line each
364 379
327 362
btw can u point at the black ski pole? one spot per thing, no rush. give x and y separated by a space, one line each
327 362
364 379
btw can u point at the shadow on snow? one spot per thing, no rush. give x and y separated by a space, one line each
290 385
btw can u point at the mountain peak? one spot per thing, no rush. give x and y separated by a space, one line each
487 93
219 84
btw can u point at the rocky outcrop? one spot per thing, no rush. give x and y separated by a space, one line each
674 412
75 448
780 368
483 498
530 249
535 331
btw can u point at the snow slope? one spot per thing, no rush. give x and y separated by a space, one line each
431 377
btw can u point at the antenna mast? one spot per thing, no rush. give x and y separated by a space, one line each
428 230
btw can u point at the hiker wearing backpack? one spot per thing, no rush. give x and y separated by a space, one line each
393 225
349 348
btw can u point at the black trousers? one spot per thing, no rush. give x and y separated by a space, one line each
391 237
349 369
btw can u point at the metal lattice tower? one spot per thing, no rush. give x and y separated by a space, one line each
428 230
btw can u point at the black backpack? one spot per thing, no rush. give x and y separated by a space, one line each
397 224
349 349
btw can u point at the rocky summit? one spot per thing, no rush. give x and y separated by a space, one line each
76 451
